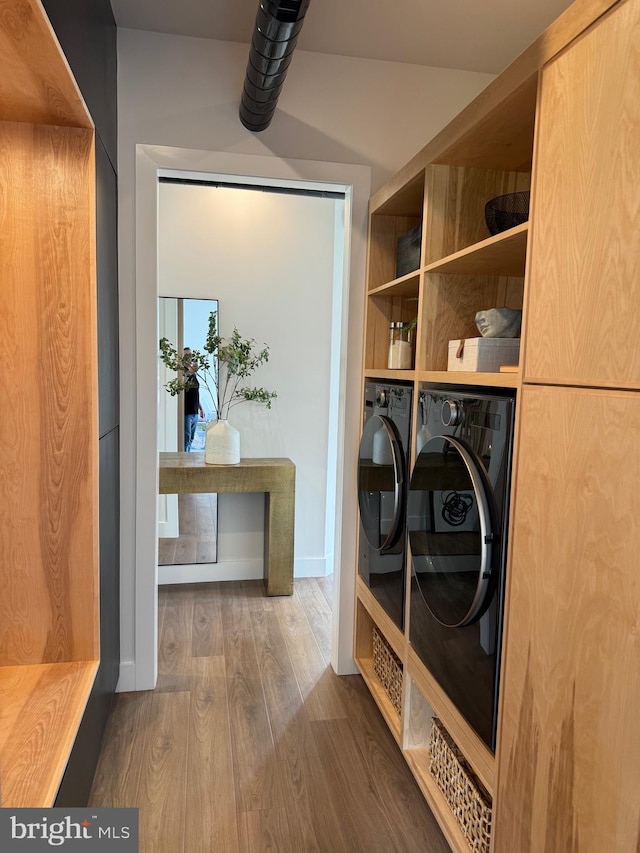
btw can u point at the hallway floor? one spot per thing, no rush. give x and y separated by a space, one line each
251 743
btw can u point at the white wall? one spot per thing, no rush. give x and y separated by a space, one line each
184 93
269 260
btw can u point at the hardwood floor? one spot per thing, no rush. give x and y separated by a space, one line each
197 541
251 743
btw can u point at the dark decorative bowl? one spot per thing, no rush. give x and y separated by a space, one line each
506 211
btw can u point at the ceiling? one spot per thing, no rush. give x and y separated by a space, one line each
465 34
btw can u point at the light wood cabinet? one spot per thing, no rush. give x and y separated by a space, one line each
569 760
584 271
569 774
564 119
49 637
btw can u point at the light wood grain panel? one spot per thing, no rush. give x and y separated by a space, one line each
40 710
584 288
463 377
48 460
210 817
510 97
569 773
117 777
163 777
36 84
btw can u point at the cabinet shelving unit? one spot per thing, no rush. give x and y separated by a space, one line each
486 151
49 621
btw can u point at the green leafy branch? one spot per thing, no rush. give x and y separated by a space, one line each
222 366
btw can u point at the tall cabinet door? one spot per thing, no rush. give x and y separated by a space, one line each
584 249
569 756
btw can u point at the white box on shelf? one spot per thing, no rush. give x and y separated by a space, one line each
483 355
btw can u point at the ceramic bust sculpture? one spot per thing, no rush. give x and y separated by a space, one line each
499 322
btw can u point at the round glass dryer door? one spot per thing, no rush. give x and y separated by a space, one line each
381 482
450 532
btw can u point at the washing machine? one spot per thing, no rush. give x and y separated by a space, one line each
457 521
382 493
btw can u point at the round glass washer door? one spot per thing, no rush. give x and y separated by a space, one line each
451 532
381 483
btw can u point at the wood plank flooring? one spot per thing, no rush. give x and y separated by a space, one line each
251 743
197 541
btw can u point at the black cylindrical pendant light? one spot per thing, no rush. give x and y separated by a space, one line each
278 24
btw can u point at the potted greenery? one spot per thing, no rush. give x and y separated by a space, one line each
222 366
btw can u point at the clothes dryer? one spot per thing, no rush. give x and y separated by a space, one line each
382 493
457 518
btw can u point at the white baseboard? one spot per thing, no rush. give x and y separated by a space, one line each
229 570
310 567
236 570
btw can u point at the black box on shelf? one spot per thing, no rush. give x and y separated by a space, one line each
408 251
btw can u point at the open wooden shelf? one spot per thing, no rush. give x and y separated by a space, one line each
502 254
383 373
49 615
463 377
41 706
478 755
391 716
406 285
418 761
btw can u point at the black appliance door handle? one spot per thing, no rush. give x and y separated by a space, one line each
487 535
397 460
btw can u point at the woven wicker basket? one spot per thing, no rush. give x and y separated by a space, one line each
388 669
469 802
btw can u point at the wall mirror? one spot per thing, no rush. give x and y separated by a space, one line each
187 524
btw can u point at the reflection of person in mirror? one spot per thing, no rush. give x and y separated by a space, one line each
192 405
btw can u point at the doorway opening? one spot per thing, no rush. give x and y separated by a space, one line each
140 594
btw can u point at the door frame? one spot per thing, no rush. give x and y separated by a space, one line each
354 181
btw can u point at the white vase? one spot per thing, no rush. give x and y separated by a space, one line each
221 443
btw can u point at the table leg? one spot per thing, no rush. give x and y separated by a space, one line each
278 541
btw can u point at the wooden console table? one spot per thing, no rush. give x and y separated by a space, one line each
187 473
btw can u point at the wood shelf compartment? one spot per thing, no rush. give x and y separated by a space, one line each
401 213
416 736
448 311
501 254
406 285
455 199
49 616
364 660
502 138
41 706
463 377
381 312
475 751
